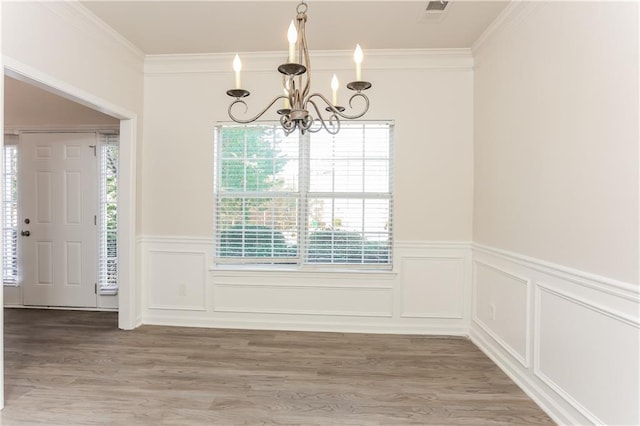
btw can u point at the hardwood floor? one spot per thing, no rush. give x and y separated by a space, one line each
77 368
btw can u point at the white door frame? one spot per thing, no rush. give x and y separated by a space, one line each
129 305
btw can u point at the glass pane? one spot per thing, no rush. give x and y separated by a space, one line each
108 267
377 141
348 231
257 227
348 175
376 176
321 176
349 143
257 158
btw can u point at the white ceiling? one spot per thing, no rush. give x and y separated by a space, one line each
174 27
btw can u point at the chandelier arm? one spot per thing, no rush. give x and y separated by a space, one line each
366 106
252 119
334 121
335 111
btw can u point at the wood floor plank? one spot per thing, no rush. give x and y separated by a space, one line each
77 368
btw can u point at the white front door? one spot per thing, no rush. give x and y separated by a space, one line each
58 186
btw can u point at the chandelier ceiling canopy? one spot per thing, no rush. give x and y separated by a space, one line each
302 110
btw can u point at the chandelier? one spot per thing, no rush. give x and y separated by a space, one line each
302 110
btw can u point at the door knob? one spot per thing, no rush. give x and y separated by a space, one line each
25 233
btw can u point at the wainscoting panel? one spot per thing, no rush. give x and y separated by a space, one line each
427 292
573 337
433 287
306 300
582 335
177 280
501 308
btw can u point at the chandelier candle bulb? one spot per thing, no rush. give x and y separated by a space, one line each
237 67
334 88
358 56
292 36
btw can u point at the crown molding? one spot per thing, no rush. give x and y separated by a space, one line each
326 60
510 18
88 23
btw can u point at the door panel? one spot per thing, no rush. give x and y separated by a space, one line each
58 190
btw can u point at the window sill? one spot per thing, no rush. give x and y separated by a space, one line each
286 270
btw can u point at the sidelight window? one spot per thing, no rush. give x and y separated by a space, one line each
10 213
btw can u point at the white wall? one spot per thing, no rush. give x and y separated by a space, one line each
28 106
555 255
427 94
64 42
556 138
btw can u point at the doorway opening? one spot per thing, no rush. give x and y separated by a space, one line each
123 258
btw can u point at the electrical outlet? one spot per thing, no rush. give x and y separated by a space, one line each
182 289
492 311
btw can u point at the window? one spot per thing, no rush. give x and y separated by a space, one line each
108 218
313 199
10 214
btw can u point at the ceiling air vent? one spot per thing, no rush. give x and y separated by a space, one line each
437 6
435 10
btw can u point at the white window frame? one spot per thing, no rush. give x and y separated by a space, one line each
303 195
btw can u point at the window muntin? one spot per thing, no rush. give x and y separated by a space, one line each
313 199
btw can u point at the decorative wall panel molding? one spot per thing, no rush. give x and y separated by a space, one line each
303 300
500 306
431 298
432 287
571 338
583 336
177 280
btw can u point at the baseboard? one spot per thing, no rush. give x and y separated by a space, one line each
535 392
61 308
310 326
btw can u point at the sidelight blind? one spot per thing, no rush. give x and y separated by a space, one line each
108 216
10 212
311 199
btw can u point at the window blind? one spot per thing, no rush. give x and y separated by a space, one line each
313 199
10 213
257 195
349 201
108 216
